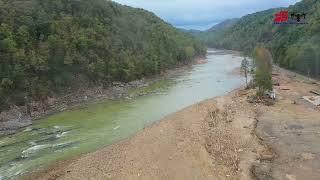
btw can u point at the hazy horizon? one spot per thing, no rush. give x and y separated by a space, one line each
203 14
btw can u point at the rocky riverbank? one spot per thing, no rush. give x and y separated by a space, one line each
228 137
203 141
11 121
17 117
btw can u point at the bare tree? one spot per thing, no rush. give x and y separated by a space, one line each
245 65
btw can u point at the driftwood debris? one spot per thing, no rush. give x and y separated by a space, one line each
315 92
315 100
284 88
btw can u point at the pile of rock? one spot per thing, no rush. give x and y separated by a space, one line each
13 120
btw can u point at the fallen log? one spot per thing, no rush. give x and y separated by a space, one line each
284 88
315 92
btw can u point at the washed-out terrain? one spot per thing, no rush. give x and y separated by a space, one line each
229 137
93 126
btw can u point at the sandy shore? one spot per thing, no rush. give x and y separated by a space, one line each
222 138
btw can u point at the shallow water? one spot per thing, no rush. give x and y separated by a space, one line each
93 126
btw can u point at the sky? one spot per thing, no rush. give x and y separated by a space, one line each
203 14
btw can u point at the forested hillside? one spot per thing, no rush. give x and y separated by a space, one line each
223 25
210 36
48 45
247 32
295 47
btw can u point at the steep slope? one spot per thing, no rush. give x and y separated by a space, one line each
210 35
249 30
223 25
47 46
295 47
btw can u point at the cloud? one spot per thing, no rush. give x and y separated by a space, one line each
200 14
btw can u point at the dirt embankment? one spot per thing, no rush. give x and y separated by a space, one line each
222 138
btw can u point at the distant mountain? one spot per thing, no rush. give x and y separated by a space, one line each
293 46
190 31
246 32
223 25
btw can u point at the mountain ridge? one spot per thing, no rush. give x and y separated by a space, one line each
223 25
293 47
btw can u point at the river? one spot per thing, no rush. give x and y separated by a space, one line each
90 127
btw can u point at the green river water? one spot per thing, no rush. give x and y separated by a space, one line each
90 127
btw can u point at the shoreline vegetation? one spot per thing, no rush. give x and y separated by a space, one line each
223 137
15 119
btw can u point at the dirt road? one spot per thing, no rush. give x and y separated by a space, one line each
221 138
292 129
